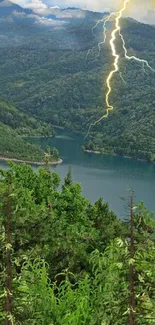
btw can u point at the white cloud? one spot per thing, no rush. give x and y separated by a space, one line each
50 22
65 14
39 20
98 5
19 14
142 10
36 5
5 3
95 5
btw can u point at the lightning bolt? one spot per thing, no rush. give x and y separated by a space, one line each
94 27
121 76
104 21
116 30
115 64
144 62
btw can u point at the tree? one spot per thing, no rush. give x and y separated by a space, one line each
55 153
66 261
68 179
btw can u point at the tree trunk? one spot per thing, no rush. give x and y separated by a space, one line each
8 306
132 293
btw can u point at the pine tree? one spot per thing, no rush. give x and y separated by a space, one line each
68 179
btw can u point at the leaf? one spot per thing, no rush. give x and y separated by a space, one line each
8 246
141 279
131 261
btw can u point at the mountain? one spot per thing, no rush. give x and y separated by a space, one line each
13 125
51 69
7 8
14 146
22 123
22 27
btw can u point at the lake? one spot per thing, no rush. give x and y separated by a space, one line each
109 177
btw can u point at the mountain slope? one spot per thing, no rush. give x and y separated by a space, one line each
55 74
21 122
14 123
8 7
13 146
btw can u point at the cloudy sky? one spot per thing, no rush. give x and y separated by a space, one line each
142 10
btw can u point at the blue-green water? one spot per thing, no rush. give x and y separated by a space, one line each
104 176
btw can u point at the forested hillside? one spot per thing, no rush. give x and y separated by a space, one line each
14 146
22 123
66 261
14 124
46 71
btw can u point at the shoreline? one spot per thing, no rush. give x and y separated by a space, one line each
37 163
91 151
37 136
115 155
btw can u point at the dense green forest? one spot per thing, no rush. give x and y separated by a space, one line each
13 126
22 123
48 74
14 146
66 261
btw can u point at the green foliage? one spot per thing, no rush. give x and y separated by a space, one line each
55 81
70 261
68 179
13 125
49 224
19 121
69 306
13 146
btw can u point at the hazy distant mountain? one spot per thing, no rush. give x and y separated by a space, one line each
13 14
7 8
18 25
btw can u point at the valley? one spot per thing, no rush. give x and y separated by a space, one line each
48 75
77 223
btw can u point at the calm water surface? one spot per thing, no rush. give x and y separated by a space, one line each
103 176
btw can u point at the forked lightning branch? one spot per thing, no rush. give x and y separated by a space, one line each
116 32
